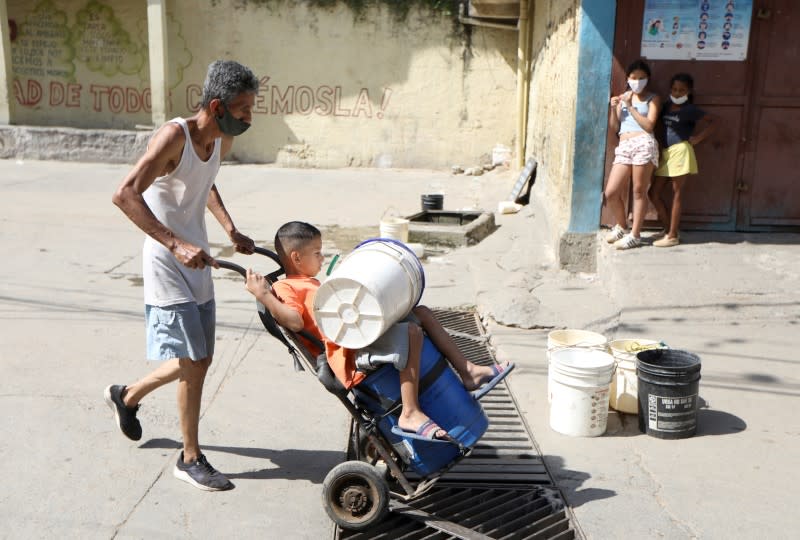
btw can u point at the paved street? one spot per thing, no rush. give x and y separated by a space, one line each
71 304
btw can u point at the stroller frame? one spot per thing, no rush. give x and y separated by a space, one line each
356 494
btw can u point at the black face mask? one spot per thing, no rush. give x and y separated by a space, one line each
230 125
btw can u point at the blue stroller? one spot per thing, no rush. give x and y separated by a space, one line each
386 467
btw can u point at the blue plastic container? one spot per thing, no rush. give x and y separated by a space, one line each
445 401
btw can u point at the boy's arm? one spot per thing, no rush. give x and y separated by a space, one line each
286 316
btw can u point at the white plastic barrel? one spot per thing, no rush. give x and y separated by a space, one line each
579 385
624 388
570 338
375 286
395 228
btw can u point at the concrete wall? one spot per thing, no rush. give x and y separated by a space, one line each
551 119
336 90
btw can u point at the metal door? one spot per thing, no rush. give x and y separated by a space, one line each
769 188
746 181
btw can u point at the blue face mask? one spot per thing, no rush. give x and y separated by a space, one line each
230 125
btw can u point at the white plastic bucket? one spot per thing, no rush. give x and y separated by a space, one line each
375 286
624 388
570 338
395 228
579 385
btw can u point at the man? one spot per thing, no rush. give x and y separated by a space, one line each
165 195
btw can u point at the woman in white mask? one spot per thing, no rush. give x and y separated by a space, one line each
633 115
680 118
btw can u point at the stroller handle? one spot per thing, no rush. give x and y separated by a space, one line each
273 276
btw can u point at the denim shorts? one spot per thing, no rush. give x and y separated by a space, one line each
180 331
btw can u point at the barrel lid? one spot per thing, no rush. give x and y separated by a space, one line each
347 313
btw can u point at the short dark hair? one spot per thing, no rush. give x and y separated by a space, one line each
686 79
225 80
294 236
638 64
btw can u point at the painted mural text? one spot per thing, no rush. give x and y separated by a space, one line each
116 99
303 100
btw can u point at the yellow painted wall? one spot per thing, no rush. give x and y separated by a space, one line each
335 91
79 63
551 119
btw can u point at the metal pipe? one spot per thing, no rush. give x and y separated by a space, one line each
522 82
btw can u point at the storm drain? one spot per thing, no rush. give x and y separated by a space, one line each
502 490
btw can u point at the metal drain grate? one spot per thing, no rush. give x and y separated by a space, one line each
501 490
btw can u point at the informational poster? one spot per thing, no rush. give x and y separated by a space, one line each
696 30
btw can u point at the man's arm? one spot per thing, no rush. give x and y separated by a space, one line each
162 155
242 243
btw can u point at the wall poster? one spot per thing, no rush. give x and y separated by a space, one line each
696 30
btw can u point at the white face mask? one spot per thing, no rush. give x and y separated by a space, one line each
679 100
637 85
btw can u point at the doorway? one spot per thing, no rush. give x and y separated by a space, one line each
749 176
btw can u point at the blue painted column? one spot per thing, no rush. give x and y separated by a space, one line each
595 52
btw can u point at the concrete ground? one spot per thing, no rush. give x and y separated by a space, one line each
71 303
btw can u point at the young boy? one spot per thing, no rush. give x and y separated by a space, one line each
291 303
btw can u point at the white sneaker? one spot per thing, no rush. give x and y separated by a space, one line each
615 234
627 242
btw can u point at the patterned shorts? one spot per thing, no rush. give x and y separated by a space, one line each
639 150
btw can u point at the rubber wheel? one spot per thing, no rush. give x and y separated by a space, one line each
355 496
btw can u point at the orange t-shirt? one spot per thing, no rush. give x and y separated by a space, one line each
297 292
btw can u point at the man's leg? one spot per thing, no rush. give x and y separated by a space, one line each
192 375
164 374
124 400
192 466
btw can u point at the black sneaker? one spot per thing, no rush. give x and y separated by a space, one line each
201 474
126 416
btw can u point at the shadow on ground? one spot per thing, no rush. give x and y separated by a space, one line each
289 464
570 482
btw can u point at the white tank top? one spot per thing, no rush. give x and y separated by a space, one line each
179 200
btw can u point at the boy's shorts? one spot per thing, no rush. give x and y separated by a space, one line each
639 150
180 331
677 160
390 348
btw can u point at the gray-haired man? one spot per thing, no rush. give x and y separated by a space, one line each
166 194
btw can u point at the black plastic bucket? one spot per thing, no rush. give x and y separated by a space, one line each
668 382
434 201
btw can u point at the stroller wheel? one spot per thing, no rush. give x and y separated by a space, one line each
355 496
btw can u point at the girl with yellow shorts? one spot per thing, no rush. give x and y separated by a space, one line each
679 118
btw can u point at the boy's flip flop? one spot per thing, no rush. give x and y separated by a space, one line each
426 432
498 374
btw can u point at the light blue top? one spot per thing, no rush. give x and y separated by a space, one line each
627 123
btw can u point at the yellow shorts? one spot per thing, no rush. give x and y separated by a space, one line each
677 160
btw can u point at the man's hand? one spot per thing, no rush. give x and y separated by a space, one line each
192 256
242 243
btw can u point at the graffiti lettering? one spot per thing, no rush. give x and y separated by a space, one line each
67 95
29 95
303 100
116 99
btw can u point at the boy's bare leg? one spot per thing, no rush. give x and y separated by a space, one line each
412 417
472 375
